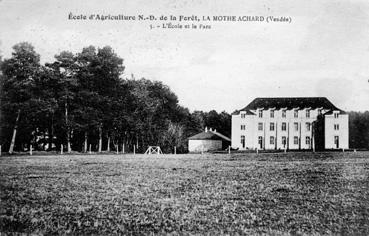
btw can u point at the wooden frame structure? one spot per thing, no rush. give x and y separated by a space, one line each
153 150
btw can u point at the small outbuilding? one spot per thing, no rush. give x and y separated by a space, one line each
209 140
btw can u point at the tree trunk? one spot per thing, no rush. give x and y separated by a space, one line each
108 148
100 137
51 132
11 148
50 140
85 145
68 129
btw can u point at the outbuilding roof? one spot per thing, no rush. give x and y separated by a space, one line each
205 136
209 135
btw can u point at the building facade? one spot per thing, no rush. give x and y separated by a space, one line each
290 123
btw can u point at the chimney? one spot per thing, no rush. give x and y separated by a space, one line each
206 129
215 130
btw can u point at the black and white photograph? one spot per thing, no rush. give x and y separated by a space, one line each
184 117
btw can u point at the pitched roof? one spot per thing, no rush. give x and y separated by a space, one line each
209 135
331 112
248 112
290 103
222 136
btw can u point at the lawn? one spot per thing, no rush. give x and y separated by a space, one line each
279 194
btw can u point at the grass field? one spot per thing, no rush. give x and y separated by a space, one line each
293 193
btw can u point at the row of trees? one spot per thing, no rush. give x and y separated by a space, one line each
359 130
81 100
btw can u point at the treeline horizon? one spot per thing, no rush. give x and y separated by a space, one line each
81 101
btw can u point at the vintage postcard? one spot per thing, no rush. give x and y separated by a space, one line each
184 117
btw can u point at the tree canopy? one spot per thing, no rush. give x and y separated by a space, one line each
82 100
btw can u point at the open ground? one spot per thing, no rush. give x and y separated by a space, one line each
286 193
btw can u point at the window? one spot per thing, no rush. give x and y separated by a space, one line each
260 126
296 125
243 127
261 113
307 140
307 113
284 114
243 141
272 140
296 113
336 127
243 116
307 126
284 126
272 114
271 126
319 112
284 140
335 115
295 140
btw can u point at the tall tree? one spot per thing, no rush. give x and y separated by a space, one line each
45 101
99 78
107 74
65 85
20 72
155 104
359 129
2 120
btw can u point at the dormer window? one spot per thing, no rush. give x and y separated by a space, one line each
296 114
260 113
283 113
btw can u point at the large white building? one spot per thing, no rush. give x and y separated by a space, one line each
290 123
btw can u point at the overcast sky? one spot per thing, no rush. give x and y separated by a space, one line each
324 51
